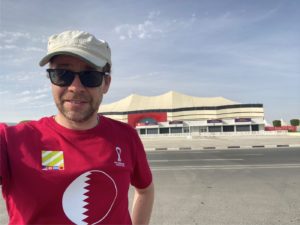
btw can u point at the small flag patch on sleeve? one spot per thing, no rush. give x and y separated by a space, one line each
52 160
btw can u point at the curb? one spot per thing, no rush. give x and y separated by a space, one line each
188 148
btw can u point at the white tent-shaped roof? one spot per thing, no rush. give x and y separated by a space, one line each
169 100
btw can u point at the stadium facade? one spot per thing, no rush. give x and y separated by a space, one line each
173 113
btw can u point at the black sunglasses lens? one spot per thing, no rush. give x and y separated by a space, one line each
61 77
91 78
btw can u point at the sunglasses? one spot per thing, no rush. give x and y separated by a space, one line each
64 78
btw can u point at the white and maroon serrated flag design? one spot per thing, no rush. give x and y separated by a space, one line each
90 197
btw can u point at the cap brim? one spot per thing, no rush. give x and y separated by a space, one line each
95 61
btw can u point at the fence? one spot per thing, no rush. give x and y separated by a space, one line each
217 134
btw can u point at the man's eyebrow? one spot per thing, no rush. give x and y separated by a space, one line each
64 65
90 68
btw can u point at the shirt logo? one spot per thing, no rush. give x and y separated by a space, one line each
90 198
52 160
119 159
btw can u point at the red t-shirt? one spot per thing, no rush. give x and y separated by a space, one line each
54 175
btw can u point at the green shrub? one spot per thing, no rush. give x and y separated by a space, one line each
24 121
276 123
295 122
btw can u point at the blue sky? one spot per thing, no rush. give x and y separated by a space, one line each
246 51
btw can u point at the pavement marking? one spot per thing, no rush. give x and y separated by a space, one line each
233 146
278 146
159 160
191 160
222 159
227 167
250 154
161 149
184 152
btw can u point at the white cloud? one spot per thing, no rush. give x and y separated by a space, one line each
15 46
153 14
45 89
21 76
153 26
143 30
11 37
3 92
140 77
33 49
26 49
30 99
5 47
23 100
40 96
266 14
42 105
38 92
17 61
24 93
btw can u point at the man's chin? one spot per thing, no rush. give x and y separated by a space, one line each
78 117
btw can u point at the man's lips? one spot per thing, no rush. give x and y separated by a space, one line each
75 102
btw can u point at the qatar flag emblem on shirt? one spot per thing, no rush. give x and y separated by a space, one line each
90 197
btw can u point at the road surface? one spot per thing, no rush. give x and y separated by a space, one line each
242 187
216 187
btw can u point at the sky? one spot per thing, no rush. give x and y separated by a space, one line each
245 51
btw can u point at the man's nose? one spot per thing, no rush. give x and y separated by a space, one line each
76 85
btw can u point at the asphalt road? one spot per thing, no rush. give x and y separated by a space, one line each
216 187
242 187
229 158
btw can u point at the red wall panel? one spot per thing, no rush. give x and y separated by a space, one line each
133 119
290 128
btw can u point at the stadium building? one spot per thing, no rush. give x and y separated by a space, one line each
173 113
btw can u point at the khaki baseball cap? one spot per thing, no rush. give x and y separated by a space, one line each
79 44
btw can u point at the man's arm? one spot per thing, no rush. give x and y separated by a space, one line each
142 205
2 127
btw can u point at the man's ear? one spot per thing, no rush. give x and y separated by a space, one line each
106 83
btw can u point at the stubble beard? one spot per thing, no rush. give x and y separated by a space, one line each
78 116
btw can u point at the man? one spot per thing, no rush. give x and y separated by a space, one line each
75 167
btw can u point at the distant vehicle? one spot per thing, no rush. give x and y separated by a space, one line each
9 124
176 122
146 123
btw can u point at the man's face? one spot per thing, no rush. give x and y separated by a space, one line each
76 102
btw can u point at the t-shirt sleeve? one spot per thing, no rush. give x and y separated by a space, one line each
3 151
141 176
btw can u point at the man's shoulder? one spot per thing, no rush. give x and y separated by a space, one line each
28 125
24 130
3 126
118 124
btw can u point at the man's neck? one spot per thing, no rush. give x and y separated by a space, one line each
85 125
